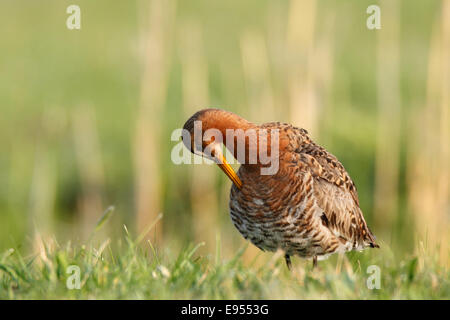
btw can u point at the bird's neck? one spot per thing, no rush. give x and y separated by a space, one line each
253 146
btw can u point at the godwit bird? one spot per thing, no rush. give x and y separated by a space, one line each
309 207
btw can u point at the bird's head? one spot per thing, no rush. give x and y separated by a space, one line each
203 135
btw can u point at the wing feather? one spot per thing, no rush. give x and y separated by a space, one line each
336 194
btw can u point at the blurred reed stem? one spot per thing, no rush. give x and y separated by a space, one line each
156 40
44 178
300 64
90 167
195 87
256 65
444 181
43 192
389 119
429 163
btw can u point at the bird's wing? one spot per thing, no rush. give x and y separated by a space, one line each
336 195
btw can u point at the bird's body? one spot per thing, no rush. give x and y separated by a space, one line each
309 207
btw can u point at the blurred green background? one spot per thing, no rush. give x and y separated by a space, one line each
87 115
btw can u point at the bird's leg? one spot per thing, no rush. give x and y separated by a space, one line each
314 262
288 261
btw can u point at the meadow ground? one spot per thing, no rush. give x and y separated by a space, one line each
133 269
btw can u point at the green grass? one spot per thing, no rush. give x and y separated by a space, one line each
126 269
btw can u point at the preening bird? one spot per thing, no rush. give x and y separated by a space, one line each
308 206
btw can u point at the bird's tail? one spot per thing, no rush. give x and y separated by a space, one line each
370 239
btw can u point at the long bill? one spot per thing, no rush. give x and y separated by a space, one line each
225 166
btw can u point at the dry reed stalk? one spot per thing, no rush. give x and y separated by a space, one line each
44 179
389 116
276 51
429 163
323 62
300 64
90 167
195 85
147 138
444 181
43 192
256 65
